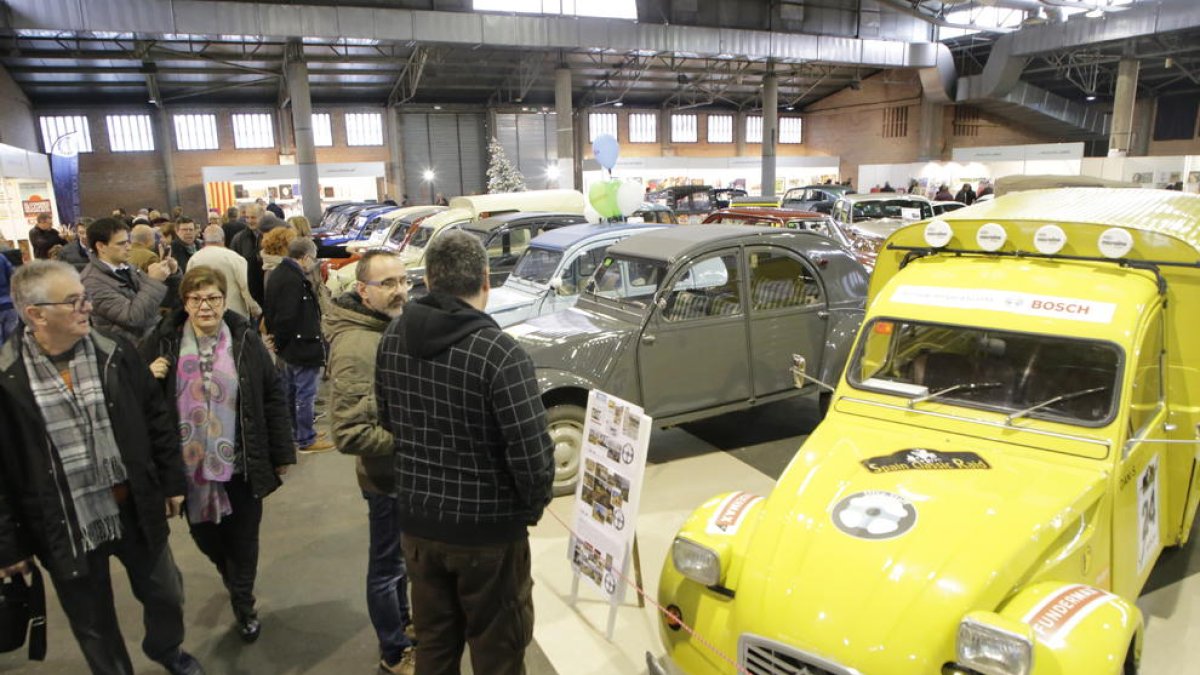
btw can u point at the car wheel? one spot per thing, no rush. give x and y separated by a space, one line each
1131 666
565 423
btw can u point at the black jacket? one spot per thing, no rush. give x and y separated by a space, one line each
293 316
35 502
264 432
247 243
232 228
474 463
76 255
43 240
181 254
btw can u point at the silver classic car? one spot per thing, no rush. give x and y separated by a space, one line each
692 322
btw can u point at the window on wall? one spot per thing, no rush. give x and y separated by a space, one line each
754 129
196 132
600 124
55 127
364 129
720 128
685 128
791 130
643 128
322 130
253 130
130 133
966 121
895 122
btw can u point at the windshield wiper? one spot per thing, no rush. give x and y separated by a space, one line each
1056 399
965 386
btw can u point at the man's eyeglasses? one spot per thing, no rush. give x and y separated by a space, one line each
78 303
211 301
391 284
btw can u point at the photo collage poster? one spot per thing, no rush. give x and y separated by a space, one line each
616 437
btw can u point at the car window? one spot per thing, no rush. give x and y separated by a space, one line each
505 246
627 281
709 287
537 264
779 280
701 202
581 269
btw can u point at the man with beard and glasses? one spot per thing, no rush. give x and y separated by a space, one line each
353 325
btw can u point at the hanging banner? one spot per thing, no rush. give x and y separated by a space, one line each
64 173
616 437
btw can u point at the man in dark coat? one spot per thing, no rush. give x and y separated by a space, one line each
183 244
90 469
76 253
247 244
43 237
293 316
474 464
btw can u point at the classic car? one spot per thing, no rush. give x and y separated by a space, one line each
867 219
356 221
505 237
739 300
1008 451
654 213
723 197
786 219
946 207
554 268
818 198
689 202
754 202
390 228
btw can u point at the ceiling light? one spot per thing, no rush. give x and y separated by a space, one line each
1090 97
428 175
790 108
619 104
437 107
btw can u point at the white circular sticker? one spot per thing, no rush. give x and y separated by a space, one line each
1049 239
874 515
991 237
1115 243
938 233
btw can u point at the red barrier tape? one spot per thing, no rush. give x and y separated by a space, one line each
663 610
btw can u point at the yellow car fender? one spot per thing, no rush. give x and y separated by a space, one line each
1078 628
725 525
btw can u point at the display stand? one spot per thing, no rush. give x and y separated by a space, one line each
603 545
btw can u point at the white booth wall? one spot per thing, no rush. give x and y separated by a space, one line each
25 190
339 182
721 172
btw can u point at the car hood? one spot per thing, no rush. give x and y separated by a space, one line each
509 297
583 342
980 524
880 228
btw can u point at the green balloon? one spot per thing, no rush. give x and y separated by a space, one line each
603 196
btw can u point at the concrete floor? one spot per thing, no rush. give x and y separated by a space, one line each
313 563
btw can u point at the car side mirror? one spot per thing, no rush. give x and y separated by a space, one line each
561 288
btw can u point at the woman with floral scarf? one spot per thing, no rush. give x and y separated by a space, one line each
234 429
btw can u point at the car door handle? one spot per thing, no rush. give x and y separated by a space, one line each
648 339
823 314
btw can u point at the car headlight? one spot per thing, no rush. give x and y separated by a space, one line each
698 563
992 645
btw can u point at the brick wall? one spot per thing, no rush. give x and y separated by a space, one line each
133 180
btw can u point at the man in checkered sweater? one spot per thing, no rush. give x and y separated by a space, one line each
474 465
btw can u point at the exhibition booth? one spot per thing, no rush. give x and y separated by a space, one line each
745 173
25 191
226 186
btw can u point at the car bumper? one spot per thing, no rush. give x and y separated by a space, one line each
661 665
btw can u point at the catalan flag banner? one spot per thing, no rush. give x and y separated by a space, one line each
219 196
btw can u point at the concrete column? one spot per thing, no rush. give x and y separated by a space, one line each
739 133
770 132
664 132
296 72
395 155
564 116
168 159
933 133
1123 102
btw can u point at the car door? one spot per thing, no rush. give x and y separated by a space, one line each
692 352
788 316
506 245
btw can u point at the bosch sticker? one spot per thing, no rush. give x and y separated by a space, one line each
1062 611
921 459
874 515
728 517
1009 302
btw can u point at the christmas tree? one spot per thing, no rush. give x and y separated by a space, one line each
502 175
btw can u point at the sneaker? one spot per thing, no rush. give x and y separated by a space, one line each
317 446
249 629
183 663
407 665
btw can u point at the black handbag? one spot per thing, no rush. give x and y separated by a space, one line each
23 612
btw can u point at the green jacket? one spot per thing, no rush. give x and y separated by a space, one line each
353 332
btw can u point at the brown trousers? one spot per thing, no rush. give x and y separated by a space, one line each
476 595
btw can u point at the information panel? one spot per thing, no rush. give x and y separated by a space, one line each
616 437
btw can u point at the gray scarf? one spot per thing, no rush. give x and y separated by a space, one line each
79 429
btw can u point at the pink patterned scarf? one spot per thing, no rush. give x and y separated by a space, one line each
206 391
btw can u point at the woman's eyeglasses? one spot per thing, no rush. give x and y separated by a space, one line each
211 301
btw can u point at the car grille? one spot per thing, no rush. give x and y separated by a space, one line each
765 657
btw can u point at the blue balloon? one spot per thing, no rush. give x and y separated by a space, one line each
605 148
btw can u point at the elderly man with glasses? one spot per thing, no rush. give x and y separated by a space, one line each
90 469
126 299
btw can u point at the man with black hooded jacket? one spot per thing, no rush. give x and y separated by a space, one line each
474 464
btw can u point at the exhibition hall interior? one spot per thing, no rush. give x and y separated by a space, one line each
823 337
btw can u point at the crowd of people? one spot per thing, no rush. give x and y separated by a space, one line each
150 369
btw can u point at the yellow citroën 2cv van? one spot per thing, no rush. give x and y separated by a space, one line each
1010 448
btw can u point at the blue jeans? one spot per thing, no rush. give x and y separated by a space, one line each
387 578
302 395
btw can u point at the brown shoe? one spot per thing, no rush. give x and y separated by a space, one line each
407 665
315 447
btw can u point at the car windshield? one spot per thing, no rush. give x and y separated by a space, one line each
905 209
537 264
1063 379
421 237
627 281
